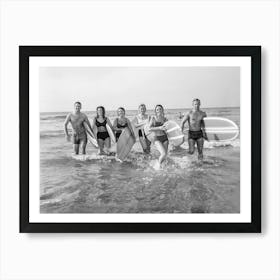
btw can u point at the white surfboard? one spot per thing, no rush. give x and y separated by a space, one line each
220 129
174 133
124 144
135 122
143 141
149 134
90 136
111 134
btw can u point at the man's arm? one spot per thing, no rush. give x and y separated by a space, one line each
203 126
185 118
66 122
94 128
88 123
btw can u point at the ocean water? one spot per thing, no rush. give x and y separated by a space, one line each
184 185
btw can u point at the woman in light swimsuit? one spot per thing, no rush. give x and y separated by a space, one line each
156 125
121 122
99 124
139 121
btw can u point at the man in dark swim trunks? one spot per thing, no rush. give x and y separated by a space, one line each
196 128
79 134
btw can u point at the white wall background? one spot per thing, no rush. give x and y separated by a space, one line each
139 256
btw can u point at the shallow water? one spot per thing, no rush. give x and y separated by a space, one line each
184 185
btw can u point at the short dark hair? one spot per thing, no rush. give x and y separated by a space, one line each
78 102
103 110
196 99
142 105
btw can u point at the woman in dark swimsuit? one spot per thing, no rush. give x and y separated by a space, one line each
121 122
99 125
156 125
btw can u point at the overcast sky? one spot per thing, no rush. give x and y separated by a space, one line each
112 87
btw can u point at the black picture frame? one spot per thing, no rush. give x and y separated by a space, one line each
254 52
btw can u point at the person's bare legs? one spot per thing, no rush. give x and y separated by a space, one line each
84 144
76 148
148 150
200 142
191 146
165 145
162 150
144 144
107 144
101 146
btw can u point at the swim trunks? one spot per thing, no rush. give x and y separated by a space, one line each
78 137
103 135
195 135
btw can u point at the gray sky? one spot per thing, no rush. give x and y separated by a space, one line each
112 87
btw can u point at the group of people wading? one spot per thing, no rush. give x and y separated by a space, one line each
155 124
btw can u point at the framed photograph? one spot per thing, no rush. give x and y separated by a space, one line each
140 139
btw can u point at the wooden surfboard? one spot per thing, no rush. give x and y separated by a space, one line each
124 144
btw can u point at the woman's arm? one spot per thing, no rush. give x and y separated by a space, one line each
154 128
136 122
203 127
115 125
139 124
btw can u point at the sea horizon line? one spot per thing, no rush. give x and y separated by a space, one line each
148 109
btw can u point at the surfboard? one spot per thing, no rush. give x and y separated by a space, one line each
141 124
174 133
220 129
149 134
90 135
111 134
124 144
144 143
113 148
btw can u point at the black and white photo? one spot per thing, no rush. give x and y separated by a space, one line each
142 138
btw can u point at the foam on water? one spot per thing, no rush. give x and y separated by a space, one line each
93 157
